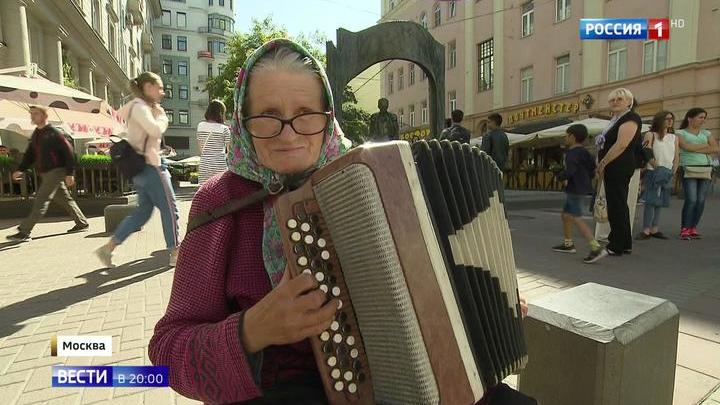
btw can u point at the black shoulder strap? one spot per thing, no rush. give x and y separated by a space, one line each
225 209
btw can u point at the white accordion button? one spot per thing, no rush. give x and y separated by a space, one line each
295 236
307 271
339 386
336 291
302 261
305 227
350 340
323 287
354 353
292 224
352 388
325 255
321 243
332 361
325 336
337 338
335 325
348 376
309 239
320 276
335 373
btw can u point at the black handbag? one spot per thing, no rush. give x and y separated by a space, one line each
128 161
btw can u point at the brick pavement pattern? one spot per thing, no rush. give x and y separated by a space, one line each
55 285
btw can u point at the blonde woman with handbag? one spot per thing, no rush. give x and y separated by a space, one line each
697 146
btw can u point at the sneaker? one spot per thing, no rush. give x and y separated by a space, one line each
173 257
659 235
596 255
643 236
19 237
685 234
79 228
105 255
693 234
565 248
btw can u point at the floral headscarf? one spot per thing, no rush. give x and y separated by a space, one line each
243 161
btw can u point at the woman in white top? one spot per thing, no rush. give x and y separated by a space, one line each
213 139
659 171
146 123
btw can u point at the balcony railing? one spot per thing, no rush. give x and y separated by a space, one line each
204 55
213 30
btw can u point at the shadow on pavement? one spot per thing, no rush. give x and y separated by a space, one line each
98 282
10 245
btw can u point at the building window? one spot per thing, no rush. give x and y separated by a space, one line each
528 16
452 54
391 83
486 65
171 116
452 8
183 117
166 41
210 72
166 18
424 112
177 142
95 15
181 19
183 92
168 87
411 70
181 43
167 67
452 101
112 38
437 16
182 68
423 20
221 3
654 56
617 61
401 78
216 47
401 117
526 85
562 74
231 4
423 75
210 2
562 10
411 110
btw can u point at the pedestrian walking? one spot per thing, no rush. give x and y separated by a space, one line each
617 146
54 162
213 138
146 123
578 173
456 132
697 146
659 172
495 143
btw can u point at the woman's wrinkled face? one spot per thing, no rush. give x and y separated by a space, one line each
698 120
286 95
619 104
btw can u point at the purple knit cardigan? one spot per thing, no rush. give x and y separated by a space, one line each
220 267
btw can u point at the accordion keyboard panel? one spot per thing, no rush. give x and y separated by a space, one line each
354 213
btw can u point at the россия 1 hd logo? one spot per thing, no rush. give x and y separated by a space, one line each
628 28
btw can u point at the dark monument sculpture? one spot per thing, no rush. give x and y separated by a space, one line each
406 40
384 124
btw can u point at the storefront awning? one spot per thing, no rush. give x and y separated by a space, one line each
533 127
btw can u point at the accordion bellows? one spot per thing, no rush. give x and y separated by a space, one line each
415 245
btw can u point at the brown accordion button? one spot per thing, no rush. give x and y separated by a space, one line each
311 251
357 365
361 377
301 215
346 328
341 317
341 351
315 264
299 248
327 347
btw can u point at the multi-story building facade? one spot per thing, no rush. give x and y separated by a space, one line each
524 59
191 37
100 44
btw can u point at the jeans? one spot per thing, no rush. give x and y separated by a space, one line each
651 216
695 191
154 189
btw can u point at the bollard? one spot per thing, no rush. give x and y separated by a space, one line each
599 345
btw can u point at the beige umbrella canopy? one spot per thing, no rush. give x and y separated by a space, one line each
37 90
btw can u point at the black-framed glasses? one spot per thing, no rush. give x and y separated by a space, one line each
268 126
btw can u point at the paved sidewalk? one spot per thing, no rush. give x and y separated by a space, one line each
54 285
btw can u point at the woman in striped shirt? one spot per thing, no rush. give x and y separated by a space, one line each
213 137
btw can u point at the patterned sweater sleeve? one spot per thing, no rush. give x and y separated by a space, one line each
198 337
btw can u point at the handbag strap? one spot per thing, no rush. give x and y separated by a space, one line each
225 209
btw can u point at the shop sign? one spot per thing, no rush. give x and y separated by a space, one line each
543 110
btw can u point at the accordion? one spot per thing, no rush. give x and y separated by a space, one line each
414 243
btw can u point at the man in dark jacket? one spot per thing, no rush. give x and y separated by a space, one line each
456 132
54 162
495 143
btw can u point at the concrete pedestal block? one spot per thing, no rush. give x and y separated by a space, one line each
114 214
598 345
